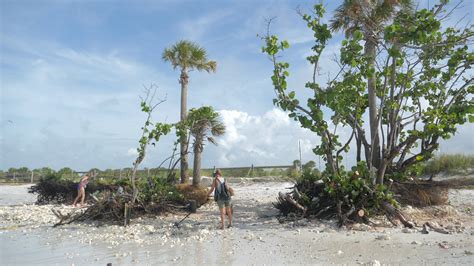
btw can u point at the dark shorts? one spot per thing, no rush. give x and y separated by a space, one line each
222 203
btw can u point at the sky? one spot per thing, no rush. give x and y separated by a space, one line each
72 73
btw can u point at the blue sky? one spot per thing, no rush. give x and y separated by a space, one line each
72 73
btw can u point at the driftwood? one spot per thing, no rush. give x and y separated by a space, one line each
392 211
63 219
292 201
435 228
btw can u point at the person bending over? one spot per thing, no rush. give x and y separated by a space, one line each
81 190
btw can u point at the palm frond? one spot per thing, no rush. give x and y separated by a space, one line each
218 129
212 140
188 55
364 15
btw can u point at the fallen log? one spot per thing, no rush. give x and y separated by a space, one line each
63 219
390 210
289 199
436 228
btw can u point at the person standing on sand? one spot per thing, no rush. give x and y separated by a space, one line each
81 190
222 197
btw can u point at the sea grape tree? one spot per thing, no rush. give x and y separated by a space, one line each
423 87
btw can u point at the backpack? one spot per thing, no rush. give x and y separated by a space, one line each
221 193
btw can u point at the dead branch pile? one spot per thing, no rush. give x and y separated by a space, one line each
421 193
62 191
111 208
117 208
310 199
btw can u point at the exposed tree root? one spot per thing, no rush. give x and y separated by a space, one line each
311 200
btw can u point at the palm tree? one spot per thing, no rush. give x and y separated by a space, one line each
370 17
187 56
204 125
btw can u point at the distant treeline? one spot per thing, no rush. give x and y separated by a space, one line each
24 174
445 163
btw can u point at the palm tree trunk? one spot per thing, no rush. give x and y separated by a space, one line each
197 165
370 51
184 79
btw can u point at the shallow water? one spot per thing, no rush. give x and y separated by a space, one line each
16 195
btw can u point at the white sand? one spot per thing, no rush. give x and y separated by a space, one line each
27 237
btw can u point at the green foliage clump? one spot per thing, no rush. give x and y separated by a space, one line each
52 177
111 181
157 190
354 190
321 194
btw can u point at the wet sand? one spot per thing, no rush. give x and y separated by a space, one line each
27 237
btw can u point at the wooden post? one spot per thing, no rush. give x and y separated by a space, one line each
126 215
301 162
32 176
192 206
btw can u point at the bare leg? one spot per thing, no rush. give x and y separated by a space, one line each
83 196
222 210
229 215
77 198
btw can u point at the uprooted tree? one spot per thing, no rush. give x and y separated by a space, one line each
151 133
154 194
397 64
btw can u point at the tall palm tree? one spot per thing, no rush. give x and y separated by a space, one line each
204 124
370 17
187 56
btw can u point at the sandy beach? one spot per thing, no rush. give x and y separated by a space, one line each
27 236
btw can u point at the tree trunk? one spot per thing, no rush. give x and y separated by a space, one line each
359 149
370 51
197 166
184 79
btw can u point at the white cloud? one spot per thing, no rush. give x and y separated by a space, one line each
132 152
196 28
270 138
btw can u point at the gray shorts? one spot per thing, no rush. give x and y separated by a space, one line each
222 203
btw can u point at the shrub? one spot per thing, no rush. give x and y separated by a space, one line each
157 190
450 163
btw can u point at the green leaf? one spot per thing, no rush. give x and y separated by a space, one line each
471 118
